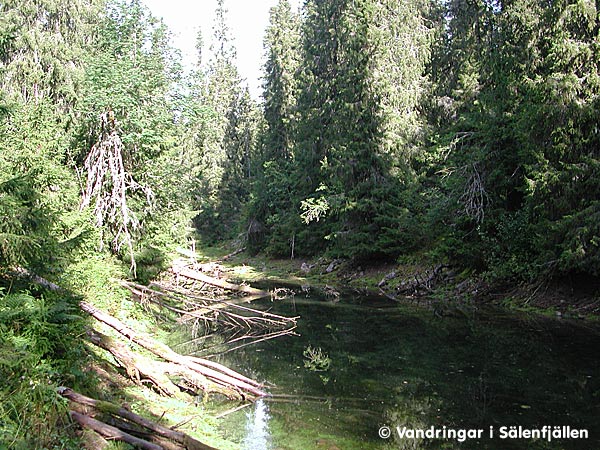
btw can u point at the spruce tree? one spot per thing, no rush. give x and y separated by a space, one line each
269 206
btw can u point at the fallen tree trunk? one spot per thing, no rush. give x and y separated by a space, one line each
187 441
24 273
220 305
111 432
209 305
137 367
423 283
221 368
199 276
130 428
167 354
259 318
232 254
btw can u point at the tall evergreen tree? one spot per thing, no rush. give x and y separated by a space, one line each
521 94
41 68
282 42
223 143
354 127
271 189
42 46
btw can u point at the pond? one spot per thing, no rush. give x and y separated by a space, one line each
361 363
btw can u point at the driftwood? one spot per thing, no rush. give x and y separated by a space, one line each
185 440
199 276
231 411
422 283
169 355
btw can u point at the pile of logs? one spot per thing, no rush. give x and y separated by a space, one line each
121 424
168 372
126 426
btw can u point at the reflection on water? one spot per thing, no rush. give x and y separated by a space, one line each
394 365
257 428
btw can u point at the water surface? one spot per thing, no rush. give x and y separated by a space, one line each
402 365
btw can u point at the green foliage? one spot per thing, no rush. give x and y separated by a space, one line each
315 359
518 161
221 123
39 351
38 194
340 136
41 49
270 213
467 130
130 80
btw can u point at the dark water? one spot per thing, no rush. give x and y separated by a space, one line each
404 366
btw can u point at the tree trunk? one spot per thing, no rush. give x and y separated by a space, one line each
177 436
199 276
156 371
111 432
137 367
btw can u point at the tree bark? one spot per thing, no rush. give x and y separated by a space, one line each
111 432
156 371
137 367
189 442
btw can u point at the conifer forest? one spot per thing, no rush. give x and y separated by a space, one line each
419 180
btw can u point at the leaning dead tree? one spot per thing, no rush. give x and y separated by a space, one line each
107 187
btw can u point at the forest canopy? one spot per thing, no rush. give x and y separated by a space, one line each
465 131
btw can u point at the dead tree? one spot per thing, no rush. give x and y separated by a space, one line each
231 385
474 197
107 187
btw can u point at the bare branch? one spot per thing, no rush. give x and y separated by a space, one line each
107 186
